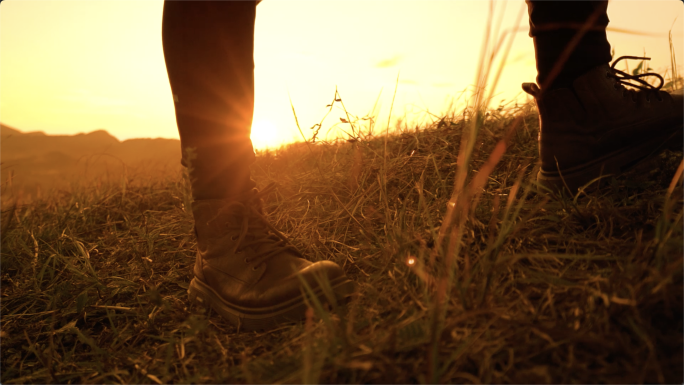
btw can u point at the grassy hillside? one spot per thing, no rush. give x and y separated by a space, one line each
525 286
33 162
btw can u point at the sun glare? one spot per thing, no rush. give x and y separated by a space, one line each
265 134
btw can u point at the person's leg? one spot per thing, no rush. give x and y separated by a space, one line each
592 122
244 269
208 49
554 25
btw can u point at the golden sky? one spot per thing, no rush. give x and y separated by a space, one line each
70 66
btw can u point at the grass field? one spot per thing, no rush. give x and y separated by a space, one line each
541 287
467 271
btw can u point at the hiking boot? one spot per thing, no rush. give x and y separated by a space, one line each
599 127
248 272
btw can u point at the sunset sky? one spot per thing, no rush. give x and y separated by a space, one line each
77 66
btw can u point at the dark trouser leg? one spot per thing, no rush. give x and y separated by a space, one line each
208 49
553 24
598 127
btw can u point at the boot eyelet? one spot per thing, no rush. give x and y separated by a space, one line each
247 260
254 268
235 237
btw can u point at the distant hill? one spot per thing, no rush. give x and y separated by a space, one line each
31 161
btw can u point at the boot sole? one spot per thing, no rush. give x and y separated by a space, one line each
614 163
264 318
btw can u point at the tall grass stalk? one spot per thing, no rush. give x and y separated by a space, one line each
676 80
458 202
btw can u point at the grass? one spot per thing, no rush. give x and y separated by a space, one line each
545 288
466 271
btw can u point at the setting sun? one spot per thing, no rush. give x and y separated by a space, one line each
265 134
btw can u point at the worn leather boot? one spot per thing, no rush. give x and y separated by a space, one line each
248 272
599 127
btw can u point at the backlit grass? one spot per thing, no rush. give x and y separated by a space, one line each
544 289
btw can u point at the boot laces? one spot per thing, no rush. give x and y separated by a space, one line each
254 229
624 79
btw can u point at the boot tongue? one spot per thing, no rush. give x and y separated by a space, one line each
257 237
